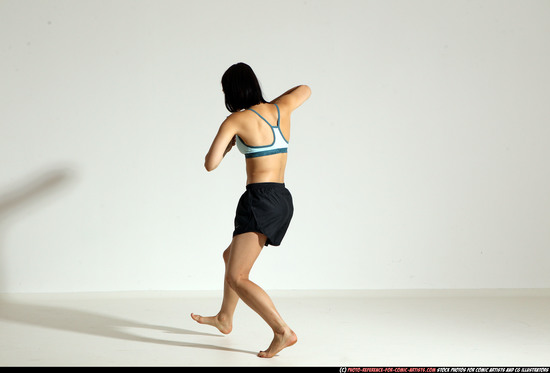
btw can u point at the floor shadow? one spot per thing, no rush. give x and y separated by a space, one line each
19 201
83 322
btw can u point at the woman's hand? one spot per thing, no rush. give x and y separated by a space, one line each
230 145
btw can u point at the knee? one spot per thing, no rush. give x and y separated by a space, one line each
235 280
226 255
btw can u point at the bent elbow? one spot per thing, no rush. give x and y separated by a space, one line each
307 91
209 165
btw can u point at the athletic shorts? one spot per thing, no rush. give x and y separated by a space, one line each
265 208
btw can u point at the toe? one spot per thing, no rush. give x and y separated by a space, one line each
195 317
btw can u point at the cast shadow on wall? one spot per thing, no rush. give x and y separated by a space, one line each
20 201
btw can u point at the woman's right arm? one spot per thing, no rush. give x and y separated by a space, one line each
294 97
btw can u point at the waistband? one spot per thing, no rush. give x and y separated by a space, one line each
254 186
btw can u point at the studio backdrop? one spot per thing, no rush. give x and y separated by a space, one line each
421 160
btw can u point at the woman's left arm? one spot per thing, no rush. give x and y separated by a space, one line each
222 144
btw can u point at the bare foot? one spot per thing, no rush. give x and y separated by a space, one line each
280 341
221 323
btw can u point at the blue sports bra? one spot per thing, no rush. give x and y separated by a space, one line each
279 144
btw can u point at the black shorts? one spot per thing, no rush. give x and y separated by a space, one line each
265 208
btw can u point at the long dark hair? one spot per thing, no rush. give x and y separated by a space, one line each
241 88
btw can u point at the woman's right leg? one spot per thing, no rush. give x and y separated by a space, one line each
245 249
224 319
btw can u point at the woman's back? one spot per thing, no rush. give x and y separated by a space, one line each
264 126
262 133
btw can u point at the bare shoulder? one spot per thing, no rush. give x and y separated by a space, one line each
293 98
235 120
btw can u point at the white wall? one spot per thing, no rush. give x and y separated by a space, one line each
420 161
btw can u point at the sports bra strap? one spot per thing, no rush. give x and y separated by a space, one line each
265 120
279 144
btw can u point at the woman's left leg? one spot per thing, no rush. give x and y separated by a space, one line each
245 249
223 320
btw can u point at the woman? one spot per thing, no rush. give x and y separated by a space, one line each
261 131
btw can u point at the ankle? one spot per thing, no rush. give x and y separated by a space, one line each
224 318
282 330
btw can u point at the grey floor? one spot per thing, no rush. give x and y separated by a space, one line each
335 328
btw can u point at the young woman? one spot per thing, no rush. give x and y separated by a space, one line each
261 131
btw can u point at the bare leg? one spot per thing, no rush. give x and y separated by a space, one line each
224 319
245 249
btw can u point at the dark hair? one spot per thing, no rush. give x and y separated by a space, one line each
241 88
